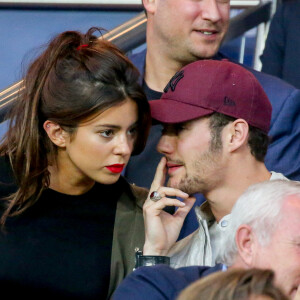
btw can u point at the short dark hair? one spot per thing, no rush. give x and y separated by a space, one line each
258 141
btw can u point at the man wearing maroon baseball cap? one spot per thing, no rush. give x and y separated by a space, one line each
216 118
208 86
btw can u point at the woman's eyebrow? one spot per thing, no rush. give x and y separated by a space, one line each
115 126
134 124
108 126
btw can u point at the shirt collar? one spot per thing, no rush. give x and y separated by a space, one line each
203 212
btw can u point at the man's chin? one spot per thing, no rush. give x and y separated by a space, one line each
181 185
176 184
210 49
173 183
210 53
205 51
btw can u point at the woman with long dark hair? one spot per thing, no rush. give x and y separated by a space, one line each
70 228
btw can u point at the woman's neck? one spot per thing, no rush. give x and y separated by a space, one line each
63 179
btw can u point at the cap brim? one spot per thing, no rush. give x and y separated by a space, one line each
172 111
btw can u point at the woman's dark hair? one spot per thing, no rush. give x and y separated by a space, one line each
77 77
235 284
258 141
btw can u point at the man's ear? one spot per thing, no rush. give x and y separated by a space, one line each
245 241
150 6
237 134
55 133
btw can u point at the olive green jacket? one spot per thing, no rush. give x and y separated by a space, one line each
128 234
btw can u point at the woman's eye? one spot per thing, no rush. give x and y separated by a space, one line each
106 133
132 131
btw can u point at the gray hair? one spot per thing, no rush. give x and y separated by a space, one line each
259 207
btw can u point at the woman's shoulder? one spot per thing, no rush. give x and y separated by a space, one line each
138 193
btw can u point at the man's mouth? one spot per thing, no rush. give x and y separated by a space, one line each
207 32
172 167
116 168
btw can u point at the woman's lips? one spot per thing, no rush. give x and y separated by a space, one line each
117 168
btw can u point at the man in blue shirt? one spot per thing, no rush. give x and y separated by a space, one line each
281 53
182 31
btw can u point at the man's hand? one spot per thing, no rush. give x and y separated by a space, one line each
161 228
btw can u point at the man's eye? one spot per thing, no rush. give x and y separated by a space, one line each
173 130
106 133
180 127
163 130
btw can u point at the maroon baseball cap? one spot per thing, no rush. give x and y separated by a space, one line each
207 86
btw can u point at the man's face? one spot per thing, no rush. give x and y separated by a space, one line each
282 253
193 166
191 29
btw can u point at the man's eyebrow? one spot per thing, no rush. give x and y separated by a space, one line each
184 123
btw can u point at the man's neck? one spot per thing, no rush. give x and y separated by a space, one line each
160 65
159 70
223 198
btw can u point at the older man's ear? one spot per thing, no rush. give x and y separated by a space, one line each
246 242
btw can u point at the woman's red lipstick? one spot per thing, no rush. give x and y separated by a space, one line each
117 168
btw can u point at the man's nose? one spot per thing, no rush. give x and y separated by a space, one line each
166 144
210 10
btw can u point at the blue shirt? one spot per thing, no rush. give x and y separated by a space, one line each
160 282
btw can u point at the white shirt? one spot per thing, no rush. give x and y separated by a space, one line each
202 246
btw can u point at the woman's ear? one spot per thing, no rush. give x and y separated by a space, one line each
55 133
238 134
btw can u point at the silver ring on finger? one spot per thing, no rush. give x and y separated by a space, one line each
155 196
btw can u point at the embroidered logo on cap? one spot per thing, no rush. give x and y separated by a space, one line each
228 101
173 81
